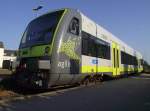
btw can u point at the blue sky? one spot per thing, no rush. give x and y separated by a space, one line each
129 20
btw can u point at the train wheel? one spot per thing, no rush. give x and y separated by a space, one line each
101 78
85 81
95 79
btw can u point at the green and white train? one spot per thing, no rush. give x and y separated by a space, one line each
66 47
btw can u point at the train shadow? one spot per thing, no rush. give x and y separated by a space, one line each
9 84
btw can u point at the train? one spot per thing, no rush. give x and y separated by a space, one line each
65 47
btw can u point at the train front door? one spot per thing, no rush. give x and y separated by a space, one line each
116 59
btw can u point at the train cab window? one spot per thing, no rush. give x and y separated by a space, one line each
74 26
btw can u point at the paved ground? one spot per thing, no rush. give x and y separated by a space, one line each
128 94
5 73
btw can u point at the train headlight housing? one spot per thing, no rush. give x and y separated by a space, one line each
44 64
47 49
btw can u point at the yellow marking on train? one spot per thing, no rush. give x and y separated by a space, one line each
94 69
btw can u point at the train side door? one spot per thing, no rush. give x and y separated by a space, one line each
115 59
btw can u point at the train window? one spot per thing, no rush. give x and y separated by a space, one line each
108 52
123 57
74 26
135 61
99 51
88 45
84 46
85 40
92 46
103 49
40 30
128 59
142 61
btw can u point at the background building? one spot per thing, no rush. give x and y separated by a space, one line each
7 57
1 53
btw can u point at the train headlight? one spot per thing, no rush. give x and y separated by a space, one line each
47 50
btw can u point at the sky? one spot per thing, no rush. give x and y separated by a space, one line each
129 20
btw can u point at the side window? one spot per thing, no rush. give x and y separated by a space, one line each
74 26
85 43
103 49
142 61
84 46
92 46
122 57
128 59
99 50
88 45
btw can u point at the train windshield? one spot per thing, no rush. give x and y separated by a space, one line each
41 30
